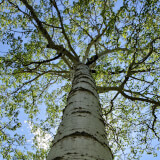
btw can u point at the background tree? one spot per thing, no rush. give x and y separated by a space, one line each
45 39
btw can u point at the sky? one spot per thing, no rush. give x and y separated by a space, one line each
27 126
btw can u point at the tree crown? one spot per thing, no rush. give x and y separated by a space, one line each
118 40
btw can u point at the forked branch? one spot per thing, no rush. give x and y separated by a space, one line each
63 30
122 92
51 44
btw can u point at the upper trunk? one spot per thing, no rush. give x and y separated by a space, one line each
81 134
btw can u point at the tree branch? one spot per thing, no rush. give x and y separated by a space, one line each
39 23
93 41
141 79
111 107
149 53
112 50
146 57
16 6
39 75
44 61
63 30
107 89
25 83
128 72
129 50
139 99
82 28
51 44
51 25
154 115
97 56
67 62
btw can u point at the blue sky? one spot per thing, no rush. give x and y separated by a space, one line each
27 126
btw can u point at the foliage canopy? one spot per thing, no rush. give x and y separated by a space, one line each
44 39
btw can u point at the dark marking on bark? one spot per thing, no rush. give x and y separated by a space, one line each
58 158
84 76
99 108
102 120
82 134
81 72
71 153
69 103
91 84
66 107
78 67
82 111
72 92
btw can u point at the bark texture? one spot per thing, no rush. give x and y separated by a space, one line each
81 134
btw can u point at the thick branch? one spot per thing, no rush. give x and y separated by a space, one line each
93 41
39 23
92 60
107 89
17 7
51 44
63 30
97 56
42 72
111 51
51 25
67 62
44 61
139 99
128 72
97 38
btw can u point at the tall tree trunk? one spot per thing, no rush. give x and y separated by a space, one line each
81 134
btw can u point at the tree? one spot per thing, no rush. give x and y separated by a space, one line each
66 43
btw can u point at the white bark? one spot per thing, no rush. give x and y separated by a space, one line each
81 134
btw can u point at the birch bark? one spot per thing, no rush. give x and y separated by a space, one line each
81 134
